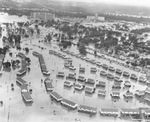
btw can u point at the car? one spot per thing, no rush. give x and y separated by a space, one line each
98 64
67 65
72 53
127 66
142 79
71 76
116 86
101 84
127 84
90 81
102 93
137 69
110 76
83 58
103 73
116 79
89 89
78 86
93 61
126 74
93 70
118 71
78 56
128 94
133 77
68 84
64 57
115 94
72 67
81 69
87 59
60 74
104 66
112 69
81 78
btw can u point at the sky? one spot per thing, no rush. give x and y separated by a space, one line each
122 2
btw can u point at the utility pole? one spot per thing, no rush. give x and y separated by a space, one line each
8 114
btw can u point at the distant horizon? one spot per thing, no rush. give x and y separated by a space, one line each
139 3
142 3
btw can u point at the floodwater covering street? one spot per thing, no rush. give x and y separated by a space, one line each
14 109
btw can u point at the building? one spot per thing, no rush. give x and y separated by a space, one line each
41 16
96 18
90 17
101 18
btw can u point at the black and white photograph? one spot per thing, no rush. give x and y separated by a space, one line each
74 60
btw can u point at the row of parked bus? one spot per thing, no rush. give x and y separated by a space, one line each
42 63
99 64
134 114
21 82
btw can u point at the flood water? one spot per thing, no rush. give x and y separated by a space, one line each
21 112
6 18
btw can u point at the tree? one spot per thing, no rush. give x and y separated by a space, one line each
48 37
38 31
117 49
48 24
95 53
65 44
20 24
82 49
36 21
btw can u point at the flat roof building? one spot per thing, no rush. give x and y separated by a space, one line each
96 17
42 16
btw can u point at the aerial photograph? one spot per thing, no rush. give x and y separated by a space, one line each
74 60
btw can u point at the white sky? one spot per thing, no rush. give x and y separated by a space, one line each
122 2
